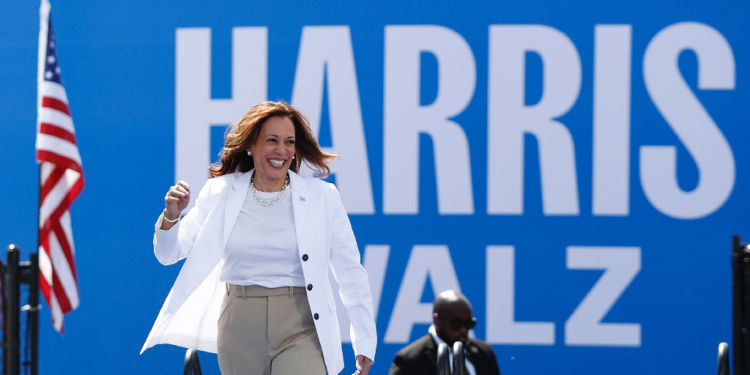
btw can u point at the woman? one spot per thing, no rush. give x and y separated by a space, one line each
259 243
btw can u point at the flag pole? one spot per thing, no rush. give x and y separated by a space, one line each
34 304
61 174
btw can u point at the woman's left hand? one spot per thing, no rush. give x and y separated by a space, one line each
363 365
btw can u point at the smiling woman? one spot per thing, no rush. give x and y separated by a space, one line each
241 139
259 244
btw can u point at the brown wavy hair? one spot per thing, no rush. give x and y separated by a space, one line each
234 158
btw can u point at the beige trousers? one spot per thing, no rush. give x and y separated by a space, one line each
266 331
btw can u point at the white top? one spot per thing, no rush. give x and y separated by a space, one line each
189 314
262 248
469 366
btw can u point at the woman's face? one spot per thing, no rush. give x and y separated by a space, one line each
274 148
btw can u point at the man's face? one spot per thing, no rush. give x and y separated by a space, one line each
453 313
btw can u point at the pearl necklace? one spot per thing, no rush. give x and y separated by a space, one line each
266 203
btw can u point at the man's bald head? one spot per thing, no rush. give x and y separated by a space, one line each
451 307
450 300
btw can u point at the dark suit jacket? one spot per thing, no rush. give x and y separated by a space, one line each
420 358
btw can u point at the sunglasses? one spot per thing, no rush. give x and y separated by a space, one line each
456 323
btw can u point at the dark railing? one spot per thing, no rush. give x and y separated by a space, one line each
14 274
740 306
29 274
12 312
192 364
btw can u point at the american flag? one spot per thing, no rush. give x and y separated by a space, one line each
61 180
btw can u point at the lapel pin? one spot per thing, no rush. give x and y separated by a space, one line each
302 199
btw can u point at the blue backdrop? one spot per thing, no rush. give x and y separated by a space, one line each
505 148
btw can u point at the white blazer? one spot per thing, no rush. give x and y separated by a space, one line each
190 313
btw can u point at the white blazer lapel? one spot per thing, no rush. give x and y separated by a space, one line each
300 199
233 205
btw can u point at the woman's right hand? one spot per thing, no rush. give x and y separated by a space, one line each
176 201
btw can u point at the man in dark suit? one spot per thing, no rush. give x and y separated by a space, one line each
452 320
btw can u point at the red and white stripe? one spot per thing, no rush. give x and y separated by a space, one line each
61 180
